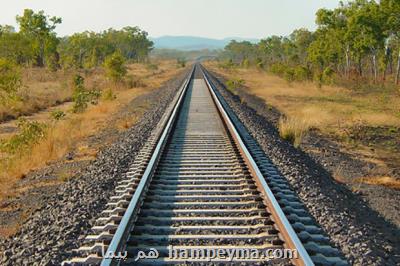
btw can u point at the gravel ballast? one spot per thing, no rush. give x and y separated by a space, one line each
363 236
63 219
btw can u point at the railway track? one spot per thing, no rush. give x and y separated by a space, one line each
201 191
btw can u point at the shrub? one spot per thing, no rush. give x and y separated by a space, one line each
233 84
278 69
260 63
327 75
181 62
318 79
245 63
302 73
115 67
152 67
228 64
134 82
30 133
10 78
289 74
108 95
57 115
81 96
292 130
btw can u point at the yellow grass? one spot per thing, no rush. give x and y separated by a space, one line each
70 133
292 130
333 110
41 89
387 181
327 108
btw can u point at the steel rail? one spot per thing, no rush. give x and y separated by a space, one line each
121 235
282 222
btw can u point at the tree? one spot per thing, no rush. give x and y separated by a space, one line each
10 78
6 29
302 38
89 49
391 10
40 28
356 36
130 41
272 49
14 46
115 66
365 30
240 52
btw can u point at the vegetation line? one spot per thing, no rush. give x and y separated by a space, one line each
357 43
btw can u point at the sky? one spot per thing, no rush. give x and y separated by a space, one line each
204 18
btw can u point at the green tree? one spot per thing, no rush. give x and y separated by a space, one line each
89 49
302 38
240 52
391 10
14 46
10 78
115 66
365 31
40 28
359 36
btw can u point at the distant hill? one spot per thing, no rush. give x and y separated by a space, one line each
188 43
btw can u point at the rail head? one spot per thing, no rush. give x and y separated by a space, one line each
121 235
284 226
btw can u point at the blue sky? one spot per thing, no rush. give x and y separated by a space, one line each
206 18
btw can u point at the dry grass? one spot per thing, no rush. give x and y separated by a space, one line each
64 136
293 130
338 175
364 121
9 230
70 133
41 89
327 108
387 181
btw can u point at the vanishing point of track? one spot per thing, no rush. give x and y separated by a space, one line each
202 183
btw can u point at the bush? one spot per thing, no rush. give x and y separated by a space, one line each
181 62
245 63
233 84
289 74
57 115
228 64
318 79
81 96
278 69
152 67
327 75
10 78
134 82
108 95
302 73
115 67
30 133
